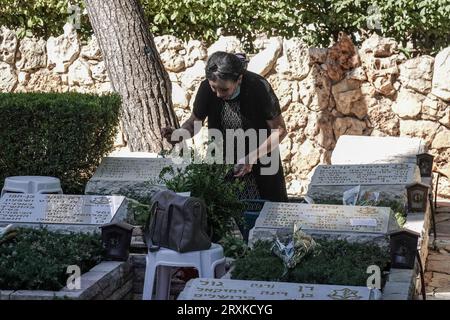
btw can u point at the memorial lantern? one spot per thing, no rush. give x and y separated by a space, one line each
417 197
116 239
425 163
403 245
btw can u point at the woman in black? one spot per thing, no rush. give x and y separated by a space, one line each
233 98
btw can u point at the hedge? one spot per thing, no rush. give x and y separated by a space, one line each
37 259
333 262
64 135
424 22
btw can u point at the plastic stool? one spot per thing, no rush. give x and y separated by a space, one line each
204 261
32 184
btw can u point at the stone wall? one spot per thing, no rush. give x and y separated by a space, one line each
324 92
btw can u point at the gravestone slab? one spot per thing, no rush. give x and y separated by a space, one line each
351 223
329 182
226 289
77 213
134 176
368 150
132 168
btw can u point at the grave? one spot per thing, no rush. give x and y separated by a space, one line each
369 150
350 223
329 182
135 176
226 289
77 213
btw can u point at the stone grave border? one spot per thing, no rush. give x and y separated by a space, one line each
109 280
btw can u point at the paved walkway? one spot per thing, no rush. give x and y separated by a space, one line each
437 270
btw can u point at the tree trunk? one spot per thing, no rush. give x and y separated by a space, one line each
135 70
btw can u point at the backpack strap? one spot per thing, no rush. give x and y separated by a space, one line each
168 223
149 231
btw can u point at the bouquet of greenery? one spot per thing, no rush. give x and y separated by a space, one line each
212 183
294 248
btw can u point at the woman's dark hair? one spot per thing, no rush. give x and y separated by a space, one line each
225 66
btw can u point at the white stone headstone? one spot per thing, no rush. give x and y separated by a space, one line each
134 175
132 169
329 182
353 223
366 174
367 150
61 212
226 289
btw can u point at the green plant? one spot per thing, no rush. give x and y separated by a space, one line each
37 259
337 262
233 247
209 182
64 135
140 212
423 23
189 19
42 18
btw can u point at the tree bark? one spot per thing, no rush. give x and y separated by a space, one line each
135 70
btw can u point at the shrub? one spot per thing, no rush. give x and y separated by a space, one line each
200 19
37 259
425 22
209 182
335 262
42 18
233 247
61 135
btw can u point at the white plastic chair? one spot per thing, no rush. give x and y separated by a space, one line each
209 263
32 184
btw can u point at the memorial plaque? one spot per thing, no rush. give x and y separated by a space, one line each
368 150
132 169
349 223
385 182
369 174
226 289
335 218
59 209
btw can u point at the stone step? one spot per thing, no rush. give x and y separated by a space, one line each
442 293
439 257
439 280
443 201
439 243
442 217
443 228
442 266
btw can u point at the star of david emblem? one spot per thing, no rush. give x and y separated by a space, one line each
344 294
101 200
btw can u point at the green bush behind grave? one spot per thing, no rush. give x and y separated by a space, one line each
335 262
424 23
37 259
214 184
64 135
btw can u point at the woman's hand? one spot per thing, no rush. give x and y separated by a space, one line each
242 168
167 134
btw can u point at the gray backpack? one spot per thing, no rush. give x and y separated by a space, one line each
176 222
